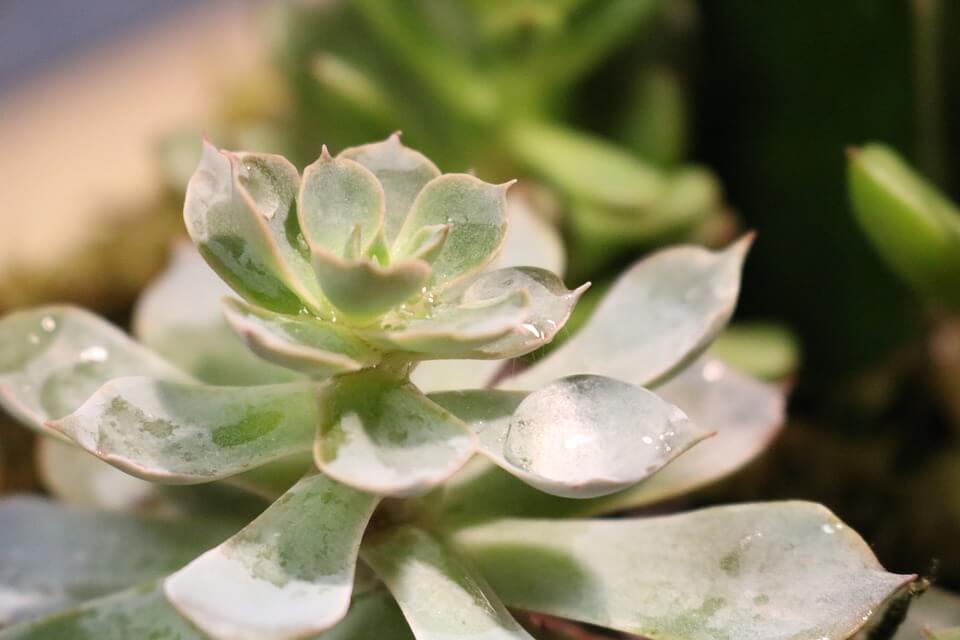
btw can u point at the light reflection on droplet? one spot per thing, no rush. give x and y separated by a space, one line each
713 371
48 324
95 353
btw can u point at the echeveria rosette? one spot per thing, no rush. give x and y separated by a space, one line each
608 421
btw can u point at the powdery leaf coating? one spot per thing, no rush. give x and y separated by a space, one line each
287 575
53 556
310 345
232 234
402 172
140 612
774 571
452 329
337 196
187 434
745 415
579 437
54 358
477 212
440 595
658 316
386 437
363 288
180 316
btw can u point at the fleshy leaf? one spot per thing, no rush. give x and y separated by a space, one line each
286 575
579 437
313 346
657 317
53 556
363 288
452 330
54 358
386 437
531 241
401 171
188 434
477 212
180 317
75 477
232 234
550 306
336 196
745 414
774 571
451 375
934 609
910 223
140 612
440 595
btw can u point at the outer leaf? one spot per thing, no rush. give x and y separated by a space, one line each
531 241
286 575
141 612
658 316
187 434
933 609
401 171
452 330
550 306
53 358
579 437
310 345
440 596
477 212
232 234
775 571
180 317
451 375
364 289
385 437
75 477
336 196
52 556
914 227
745 414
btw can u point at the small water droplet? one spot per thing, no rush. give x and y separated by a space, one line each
95 353
831 529
48 324
713 371
647 440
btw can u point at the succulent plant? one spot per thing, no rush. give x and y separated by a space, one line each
419 488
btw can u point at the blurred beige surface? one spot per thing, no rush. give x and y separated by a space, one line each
78 140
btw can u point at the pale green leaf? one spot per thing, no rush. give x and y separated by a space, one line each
288 574
311 345
774 571
550 306
75 477
440 595
401 171
934 609
384 436
579 437
186 434
453 375
657 317
53 556
477 212
180 316
336 196
745 414
137 613
531 240
767 351
363 288
232 233
54 358
452 329
373 615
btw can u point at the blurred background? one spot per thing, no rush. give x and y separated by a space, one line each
632 124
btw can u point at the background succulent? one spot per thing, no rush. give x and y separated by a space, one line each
385 523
